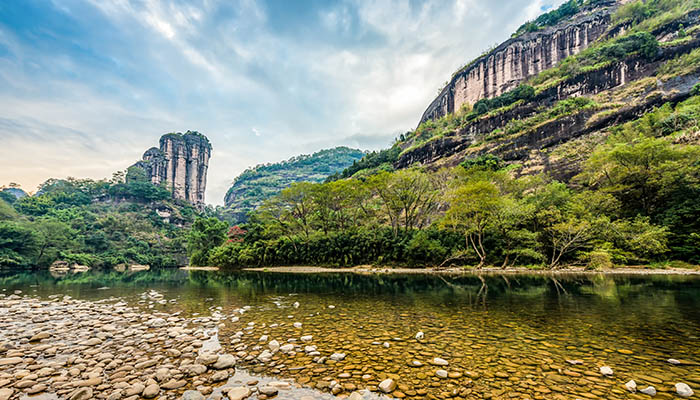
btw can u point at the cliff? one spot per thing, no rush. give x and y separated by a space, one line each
520 58
552 120
180 164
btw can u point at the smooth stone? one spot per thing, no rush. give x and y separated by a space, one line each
274 346
268 391
420 336
338 356
441 373
683 390
631 386
6 393
387 385
40 336
355 396
238 393
297 325
673 361
306 338
225 361
440 361
219 376
607 371
192 395
151 391
10 361
206 359
650 390
81 394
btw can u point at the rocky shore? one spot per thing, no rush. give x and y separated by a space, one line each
72 349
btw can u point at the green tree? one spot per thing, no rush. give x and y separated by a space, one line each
205 235
473 207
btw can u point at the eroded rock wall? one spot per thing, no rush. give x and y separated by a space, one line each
518 59
181 163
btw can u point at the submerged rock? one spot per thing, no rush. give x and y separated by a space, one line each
631 386
649 390
607 371
387 385
683 390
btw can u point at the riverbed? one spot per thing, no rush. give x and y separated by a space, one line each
296 335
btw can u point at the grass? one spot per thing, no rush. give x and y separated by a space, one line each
681 65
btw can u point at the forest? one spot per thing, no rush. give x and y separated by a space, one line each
633 203
95 223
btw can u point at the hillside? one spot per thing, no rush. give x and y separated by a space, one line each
607 64
257 184
95 223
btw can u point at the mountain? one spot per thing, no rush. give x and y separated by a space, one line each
257 184
545 98
12 194
180 163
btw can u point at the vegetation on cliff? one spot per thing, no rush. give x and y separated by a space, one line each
95 223
257 184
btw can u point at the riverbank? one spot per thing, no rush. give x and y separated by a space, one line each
63 348
368 269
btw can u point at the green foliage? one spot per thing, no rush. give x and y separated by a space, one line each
371 161
255 185
205 235
18 244
96 223
484 161
550 18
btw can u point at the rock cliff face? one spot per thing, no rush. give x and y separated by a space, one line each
181 162
520 58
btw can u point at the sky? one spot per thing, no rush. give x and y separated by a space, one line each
86 86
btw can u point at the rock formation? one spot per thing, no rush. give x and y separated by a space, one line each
181 162
518 59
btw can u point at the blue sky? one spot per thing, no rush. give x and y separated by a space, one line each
86 86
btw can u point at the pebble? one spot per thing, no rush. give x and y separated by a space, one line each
683 390
607 371
631 386
649 390
387 386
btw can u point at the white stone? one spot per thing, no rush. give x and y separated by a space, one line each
338 356
631 386
274 346
420 336
650 390
441 373
683 390
297 325
296 304
387 385
306 338
440 361
607 371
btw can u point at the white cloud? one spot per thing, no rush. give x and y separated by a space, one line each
362 75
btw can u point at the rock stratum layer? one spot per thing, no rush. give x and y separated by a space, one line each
180 163
520 58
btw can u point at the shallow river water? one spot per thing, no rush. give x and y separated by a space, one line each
502 337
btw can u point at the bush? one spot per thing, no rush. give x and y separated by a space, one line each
599 259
